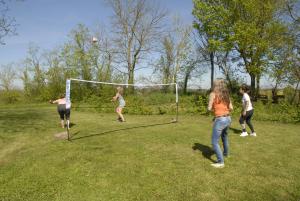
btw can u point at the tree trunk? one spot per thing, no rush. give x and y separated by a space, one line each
186 79
131 81
108 70
274 93
211 57
252 76
257 86
295 93
229 82
298 98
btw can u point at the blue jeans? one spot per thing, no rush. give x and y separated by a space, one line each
221 125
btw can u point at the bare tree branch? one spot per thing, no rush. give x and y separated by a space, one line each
7 24
136 25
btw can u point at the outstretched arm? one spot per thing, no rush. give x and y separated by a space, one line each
53 101
115 97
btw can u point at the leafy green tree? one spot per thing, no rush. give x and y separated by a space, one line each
257 32
249 29
77 55
54 74
212 22
166 61
178 58
86 59
26 79
34 74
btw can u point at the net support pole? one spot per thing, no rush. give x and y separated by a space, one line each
68 103
176 89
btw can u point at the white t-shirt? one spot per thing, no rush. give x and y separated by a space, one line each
246 98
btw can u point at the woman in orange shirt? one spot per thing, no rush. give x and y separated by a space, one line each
220 105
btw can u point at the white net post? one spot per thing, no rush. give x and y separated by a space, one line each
68 103
176 89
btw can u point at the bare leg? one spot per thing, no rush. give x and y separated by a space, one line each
243 126
119 111
68 123
62 122
122 117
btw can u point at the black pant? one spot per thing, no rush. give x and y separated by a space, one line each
247 118
63 112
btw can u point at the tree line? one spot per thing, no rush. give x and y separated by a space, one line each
254 38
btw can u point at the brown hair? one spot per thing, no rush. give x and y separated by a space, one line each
62 95
221 91
245 88
120 90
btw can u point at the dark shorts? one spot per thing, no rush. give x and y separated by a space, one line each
63 112
247 117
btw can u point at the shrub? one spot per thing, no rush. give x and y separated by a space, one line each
10 97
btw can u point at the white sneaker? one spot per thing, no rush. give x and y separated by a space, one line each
218 165
244 134
253 134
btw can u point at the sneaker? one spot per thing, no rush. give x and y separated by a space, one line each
253 134
244 134
218 165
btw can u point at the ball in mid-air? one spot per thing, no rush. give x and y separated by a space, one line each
94 39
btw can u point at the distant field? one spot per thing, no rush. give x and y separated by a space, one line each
145 158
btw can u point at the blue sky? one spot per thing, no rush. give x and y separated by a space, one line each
47 23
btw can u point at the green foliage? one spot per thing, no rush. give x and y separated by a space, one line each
291 95
250 30
213 20
268 111
159 103
145 104
10 97
282 112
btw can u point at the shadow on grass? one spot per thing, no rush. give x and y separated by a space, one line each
116 130
18 121
236 131
71 125
206 151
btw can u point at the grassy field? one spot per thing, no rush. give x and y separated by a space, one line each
145 158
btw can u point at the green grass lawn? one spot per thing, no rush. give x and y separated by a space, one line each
145 158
